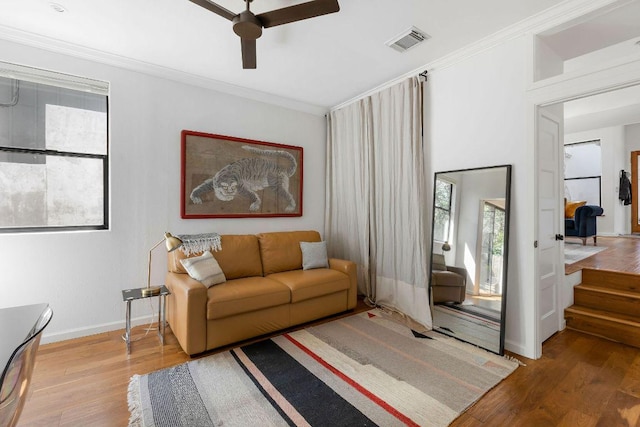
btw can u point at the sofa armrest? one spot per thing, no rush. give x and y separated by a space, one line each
350 269
186 312
458 270
585 220
587 211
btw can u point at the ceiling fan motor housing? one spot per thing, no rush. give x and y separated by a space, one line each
247 26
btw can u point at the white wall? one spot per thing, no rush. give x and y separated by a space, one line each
81 274
632 139
547 62
476 116
616 218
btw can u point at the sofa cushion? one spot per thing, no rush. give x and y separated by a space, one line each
307 284
281 251
447 278
245 295
239 257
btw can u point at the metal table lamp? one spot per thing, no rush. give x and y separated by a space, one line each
172 243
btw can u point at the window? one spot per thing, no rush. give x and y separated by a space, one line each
583 172
493 218
442 213
53 151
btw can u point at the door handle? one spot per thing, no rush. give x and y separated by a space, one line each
559 237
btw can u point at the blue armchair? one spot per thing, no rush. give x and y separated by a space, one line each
583 223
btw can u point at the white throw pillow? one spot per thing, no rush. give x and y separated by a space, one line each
314 255
204 269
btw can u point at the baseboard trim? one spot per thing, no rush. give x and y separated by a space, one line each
563 325
516 348
70 334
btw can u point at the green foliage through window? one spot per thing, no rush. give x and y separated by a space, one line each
442 210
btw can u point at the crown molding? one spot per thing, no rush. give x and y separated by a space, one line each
70 49
542 21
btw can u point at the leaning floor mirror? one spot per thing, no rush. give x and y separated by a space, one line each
470 235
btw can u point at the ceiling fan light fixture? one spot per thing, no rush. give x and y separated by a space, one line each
408 39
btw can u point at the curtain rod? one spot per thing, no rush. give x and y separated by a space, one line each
376 89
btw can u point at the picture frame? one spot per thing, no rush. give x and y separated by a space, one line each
228 177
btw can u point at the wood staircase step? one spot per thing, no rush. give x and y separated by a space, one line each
611 279
618 327
606 299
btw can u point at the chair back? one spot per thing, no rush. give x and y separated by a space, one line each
438 263
16 376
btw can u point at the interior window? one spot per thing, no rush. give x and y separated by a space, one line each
583 172
53 151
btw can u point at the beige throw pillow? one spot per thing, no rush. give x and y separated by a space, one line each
204 269
314 255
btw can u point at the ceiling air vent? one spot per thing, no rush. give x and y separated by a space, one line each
407 39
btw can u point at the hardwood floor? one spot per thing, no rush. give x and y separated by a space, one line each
581 380
83 382
622 254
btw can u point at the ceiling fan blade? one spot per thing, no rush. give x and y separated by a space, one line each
225 13
248 54
298 12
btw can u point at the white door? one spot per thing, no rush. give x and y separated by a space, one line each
550 196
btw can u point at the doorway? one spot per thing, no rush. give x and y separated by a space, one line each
635 180
551 304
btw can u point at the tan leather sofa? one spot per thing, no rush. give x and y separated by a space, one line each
266 290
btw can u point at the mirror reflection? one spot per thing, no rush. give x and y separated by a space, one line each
469 254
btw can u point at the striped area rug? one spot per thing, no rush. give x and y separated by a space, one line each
362 370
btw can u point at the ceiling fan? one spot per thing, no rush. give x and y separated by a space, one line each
249 26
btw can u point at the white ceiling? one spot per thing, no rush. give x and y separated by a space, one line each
595 31
617 99
321 62
616 108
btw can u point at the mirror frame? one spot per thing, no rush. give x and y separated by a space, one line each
505 259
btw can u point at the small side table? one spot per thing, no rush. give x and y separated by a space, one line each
129 295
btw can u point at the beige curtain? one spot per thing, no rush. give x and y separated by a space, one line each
376 197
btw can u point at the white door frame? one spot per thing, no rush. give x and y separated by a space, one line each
559 89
